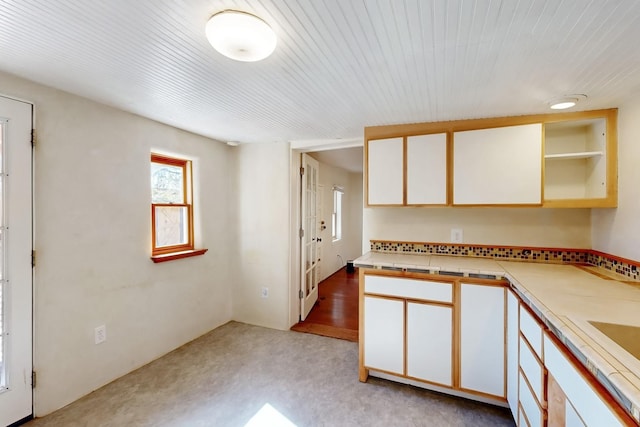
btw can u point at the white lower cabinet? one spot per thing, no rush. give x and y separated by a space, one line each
483 344
583 403
512 352
429 343
384 334
528 404
482 339
571 417
416 329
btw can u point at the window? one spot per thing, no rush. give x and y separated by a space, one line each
171 209
336 216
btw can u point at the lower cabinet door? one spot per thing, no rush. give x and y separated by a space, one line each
583 401
384 334
571 417
429 342
482 339
512 352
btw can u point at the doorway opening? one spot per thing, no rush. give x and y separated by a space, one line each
338 234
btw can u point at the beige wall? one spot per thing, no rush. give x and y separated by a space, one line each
356 203
92 234
617 231
263 174
335 254
563 228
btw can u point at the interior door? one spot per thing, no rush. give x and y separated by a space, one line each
15 261
309 235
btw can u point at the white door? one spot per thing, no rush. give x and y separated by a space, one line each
15 261
309 235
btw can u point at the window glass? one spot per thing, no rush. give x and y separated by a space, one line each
167 183
171 225
336 216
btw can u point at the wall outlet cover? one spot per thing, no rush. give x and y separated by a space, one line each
456 235
100 334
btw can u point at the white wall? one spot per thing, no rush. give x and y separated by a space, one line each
562 228
92 235
263 172
348 247
356 204
617 231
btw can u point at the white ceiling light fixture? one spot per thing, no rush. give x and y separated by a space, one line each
240 36
566 101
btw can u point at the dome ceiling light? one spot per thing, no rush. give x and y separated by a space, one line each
240 36
566 101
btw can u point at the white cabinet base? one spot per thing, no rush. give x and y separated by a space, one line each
445 390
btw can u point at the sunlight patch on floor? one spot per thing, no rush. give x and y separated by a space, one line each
268 416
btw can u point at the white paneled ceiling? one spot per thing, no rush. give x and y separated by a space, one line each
339 65
349 159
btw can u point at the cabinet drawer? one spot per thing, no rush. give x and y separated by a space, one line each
532 331
529 405
409 288
532 370
522 420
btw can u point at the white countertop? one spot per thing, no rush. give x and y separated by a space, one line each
566 296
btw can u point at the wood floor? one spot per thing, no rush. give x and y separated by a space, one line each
335 314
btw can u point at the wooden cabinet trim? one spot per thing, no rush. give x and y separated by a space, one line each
427 128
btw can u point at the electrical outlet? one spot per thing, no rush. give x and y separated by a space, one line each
456 235
265 293
100 334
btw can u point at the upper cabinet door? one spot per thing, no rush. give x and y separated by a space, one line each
385 171
427 169
499 166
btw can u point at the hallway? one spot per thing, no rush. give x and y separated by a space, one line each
335 314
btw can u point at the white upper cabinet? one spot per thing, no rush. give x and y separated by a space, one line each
385 171
499 166
427 169
414 173
561 160
576 160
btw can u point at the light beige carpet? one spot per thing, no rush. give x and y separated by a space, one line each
238 373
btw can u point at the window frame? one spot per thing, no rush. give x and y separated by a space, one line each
187 192
336 215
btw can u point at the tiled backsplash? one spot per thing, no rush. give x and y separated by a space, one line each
628 268
625 267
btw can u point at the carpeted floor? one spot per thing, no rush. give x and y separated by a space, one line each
231 374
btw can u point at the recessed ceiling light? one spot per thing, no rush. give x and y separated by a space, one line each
565 102
240 36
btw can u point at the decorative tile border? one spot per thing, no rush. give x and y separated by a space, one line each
622 266
625 267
